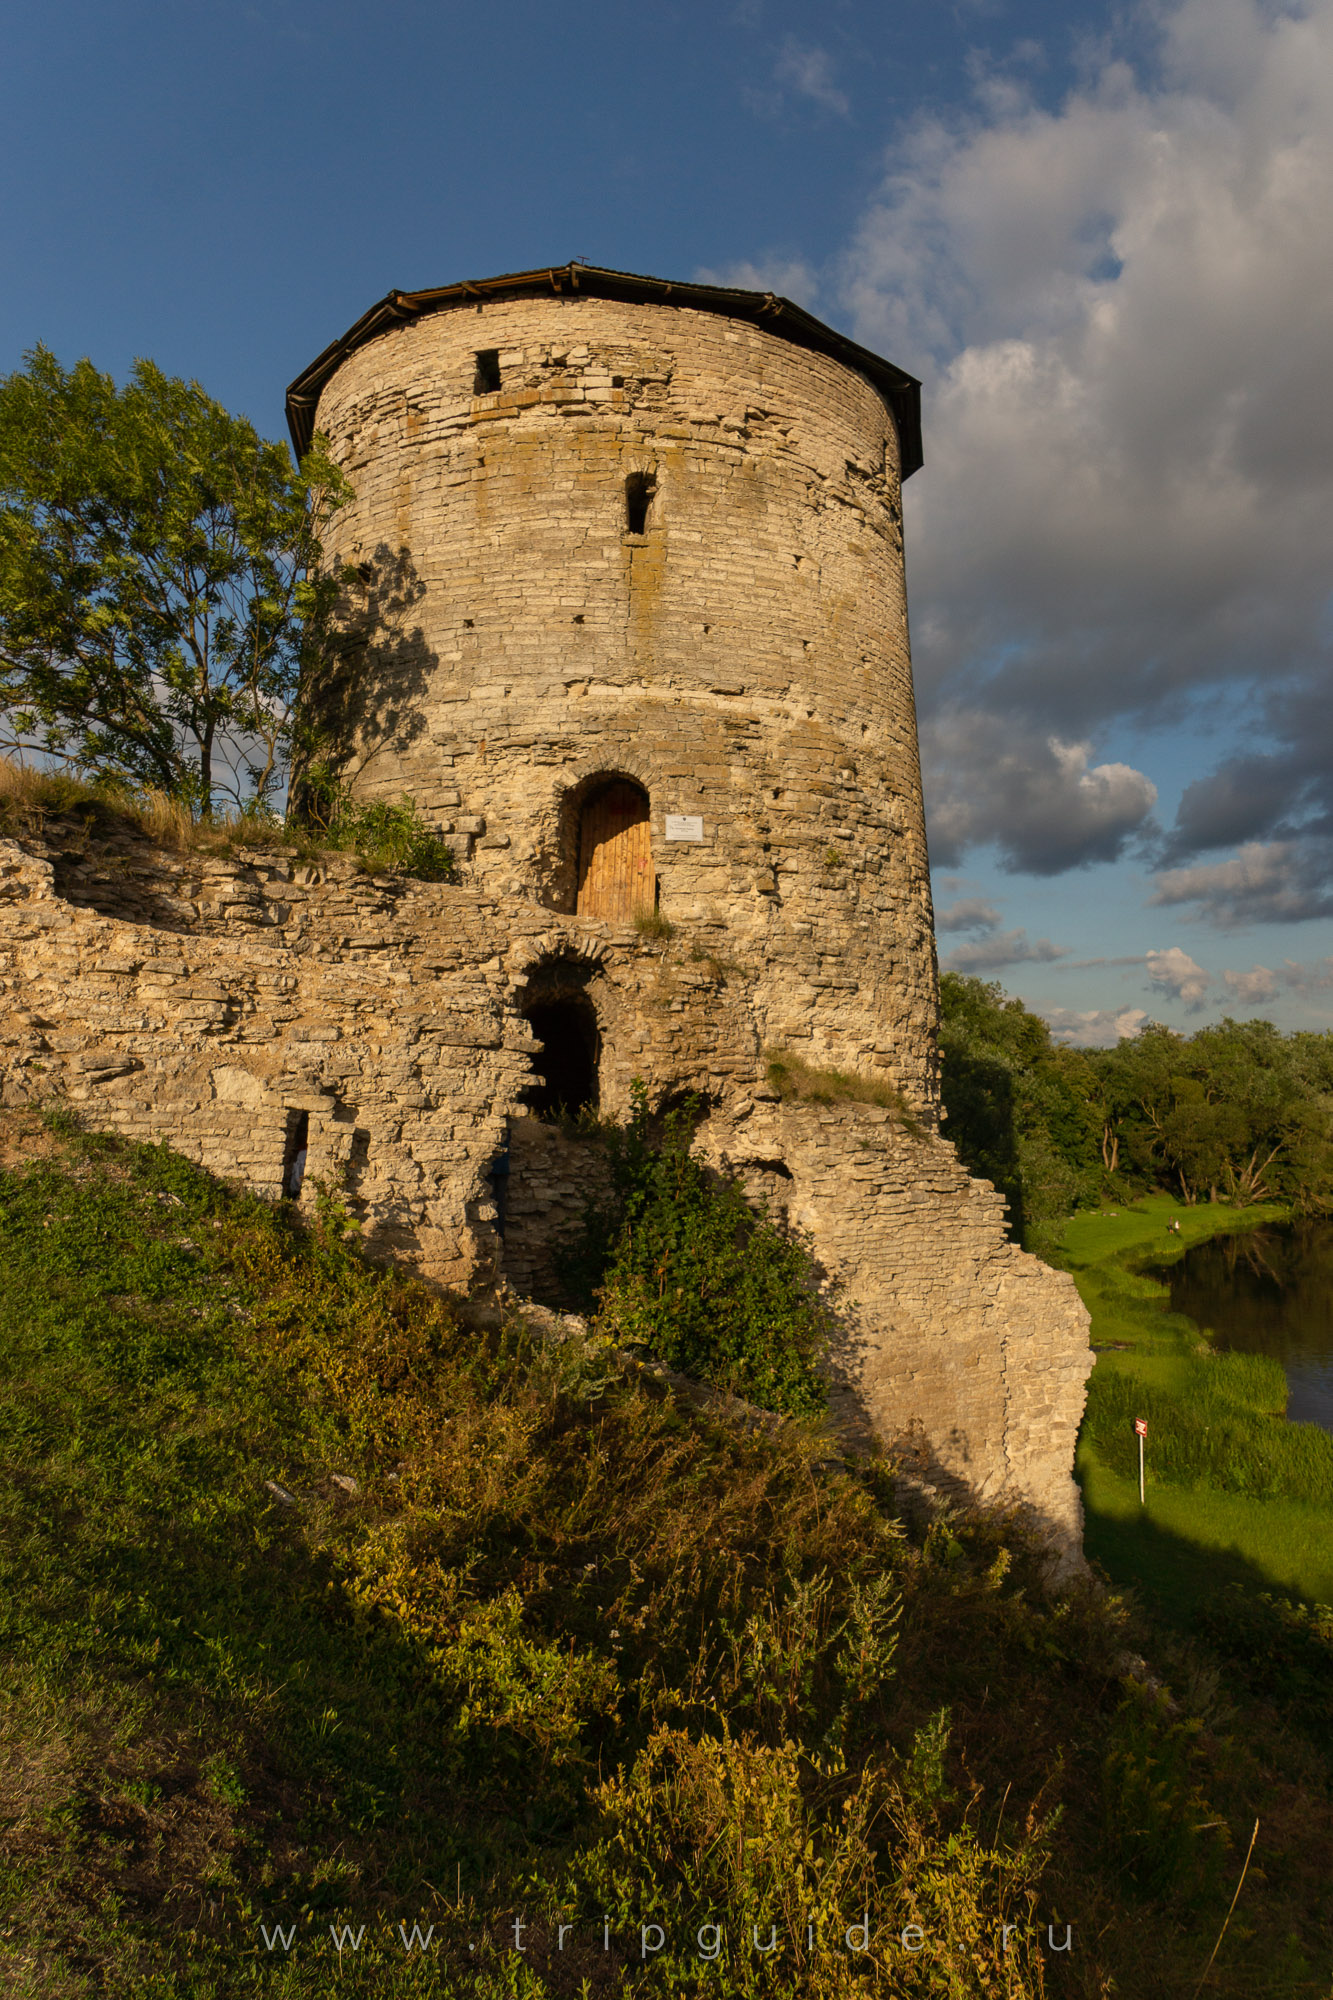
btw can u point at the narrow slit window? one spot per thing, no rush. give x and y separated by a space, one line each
488 372
294 1154
640 492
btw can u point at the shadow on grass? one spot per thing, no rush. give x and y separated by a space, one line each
1177 1576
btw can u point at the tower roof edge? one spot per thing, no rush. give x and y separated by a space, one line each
900 391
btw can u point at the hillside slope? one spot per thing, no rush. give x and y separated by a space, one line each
330 1609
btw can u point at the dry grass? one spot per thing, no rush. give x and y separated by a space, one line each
384 838
652 924
792 1077
30 798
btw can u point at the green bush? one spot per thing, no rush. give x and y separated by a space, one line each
1283 1650
1161 1828
683 1267
389 836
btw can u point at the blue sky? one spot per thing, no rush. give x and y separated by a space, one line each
1099 235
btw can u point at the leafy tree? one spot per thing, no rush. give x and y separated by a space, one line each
1022 1112
1237 1112
159 580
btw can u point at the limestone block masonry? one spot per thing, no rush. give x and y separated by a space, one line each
605 531
515 636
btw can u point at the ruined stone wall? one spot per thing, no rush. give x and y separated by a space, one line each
745 658
206 1001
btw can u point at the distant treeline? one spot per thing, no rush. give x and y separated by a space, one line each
1239 1112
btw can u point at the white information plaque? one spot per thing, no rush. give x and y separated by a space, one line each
684 826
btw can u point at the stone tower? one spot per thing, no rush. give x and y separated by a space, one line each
628 622
632 626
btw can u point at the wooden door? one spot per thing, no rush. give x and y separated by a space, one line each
615 855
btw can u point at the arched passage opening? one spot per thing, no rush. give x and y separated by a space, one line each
555 1159
615 854
566 1063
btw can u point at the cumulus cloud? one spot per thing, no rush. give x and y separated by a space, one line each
1120 309
801 69
786 277
1252 987
1098 1028
987 954
1268 882
808 72
1316 978
1038 799
1175 973
970 913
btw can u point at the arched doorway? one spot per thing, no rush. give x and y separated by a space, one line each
566 1064
615 873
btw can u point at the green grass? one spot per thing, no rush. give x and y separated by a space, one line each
514 1638
1234 1491
1183 1546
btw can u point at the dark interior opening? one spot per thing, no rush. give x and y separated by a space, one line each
488 372
640 489
566 1063
498 1176
294 1153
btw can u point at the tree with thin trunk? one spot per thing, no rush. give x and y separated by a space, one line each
161 582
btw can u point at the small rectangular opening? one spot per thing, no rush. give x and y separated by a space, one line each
488 372
294 1153
640 490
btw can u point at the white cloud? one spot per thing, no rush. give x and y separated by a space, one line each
1037 798
987 954
801 69
1095 1029
808 72
1315 978
1120 308
1252 987
970 913
1268 882
1175 973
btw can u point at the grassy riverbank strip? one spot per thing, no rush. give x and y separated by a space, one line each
1235 1493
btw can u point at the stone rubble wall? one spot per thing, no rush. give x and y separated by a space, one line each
204 1001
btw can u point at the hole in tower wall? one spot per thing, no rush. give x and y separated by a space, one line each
566 1063
294 1151
487 379
640 493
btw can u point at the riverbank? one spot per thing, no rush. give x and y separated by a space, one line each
1194 1536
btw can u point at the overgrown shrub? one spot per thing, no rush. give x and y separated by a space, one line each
390 836
682 1266
1283 1650
320 1606
1160 1826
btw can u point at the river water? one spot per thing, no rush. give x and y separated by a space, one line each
1268 1291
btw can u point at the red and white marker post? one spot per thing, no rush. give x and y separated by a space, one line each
1141 1432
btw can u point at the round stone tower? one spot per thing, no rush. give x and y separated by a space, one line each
630 624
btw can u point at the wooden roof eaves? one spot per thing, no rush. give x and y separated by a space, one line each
900 391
